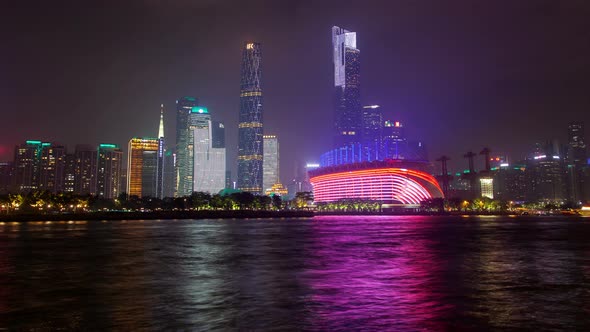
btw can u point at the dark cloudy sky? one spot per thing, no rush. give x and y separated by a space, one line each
459 74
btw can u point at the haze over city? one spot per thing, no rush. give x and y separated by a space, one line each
460 75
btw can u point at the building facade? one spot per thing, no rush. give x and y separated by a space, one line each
348 112
209 158
144 167
250 129
270 167
108 170
184 157
85 170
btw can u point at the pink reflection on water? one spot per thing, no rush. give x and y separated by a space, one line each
375 272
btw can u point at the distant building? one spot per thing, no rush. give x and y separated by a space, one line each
545 174
486 185
372 125
394 140
271 162
169 182
144 166
184 156
70 173
108 170
250 130
6 177
52 167
209 158
85 170
577 164
27 159
510 182
347 104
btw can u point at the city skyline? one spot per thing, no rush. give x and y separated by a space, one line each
459 80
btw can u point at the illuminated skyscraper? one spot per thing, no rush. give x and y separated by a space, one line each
271 162
209 162
52 167
347 104
577 164
250 132
372 126
184 157
108 170
144 166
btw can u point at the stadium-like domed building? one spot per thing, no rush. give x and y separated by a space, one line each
395 183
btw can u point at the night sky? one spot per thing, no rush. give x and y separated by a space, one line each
460 75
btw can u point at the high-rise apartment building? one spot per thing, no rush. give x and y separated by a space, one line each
52 167
250 131
6 177
144 167
27 163
108 170
85 172
271 162
70 173
348 111
184 156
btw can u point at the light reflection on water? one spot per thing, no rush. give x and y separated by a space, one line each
327 273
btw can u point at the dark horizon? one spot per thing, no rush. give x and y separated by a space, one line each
459 75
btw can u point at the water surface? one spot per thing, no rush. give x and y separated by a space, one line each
325 273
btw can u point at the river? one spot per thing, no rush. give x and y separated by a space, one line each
401 273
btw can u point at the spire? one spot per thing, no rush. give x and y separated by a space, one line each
161 130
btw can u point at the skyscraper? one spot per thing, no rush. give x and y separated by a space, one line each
577 154
144 167
27 162
271 162
85 171
347 104
52 167
577 163
209 162
108 170
250 131
184 157
372 126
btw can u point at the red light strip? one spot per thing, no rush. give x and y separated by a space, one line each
384 184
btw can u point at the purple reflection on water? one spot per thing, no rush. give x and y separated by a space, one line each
384 275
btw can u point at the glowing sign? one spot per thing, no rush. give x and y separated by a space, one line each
107 146
250 46
200 110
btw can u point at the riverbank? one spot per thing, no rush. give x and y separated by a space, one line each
204 214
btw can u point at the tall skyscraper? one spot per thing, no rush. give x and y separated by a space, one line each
209 162
577 163
108 170
577 153
250 131
144 167
184 157
347 104
372 126
271 162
